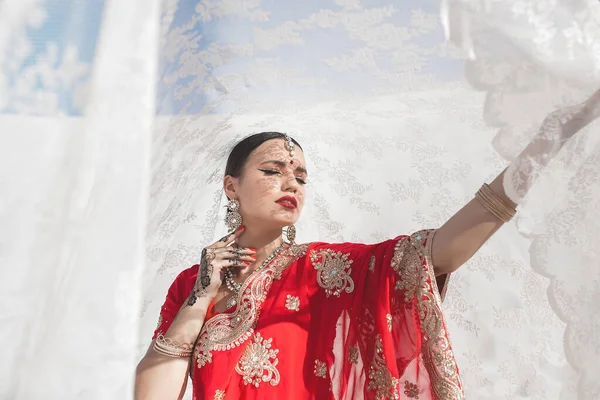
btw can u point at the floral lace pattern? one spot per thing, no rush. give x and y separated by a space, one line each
549 56
394 140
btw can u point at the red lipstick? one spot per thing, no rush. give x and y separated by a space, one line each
288 202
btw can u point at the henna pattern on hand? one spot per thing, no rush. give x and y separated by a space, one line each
193 297
225 239
205 273
206 269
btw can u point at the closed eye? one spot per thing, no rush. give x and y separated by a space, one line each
270 172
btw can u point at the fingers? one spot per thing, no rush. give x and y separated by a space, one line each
210 254
230 238
244 250
238 257
224 252
246 260
228 256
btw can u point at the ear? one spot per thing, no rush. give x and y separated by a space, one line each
229 185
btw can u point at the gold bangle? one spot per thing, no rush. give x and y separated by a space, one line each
494 207
494 204
172 355
171 348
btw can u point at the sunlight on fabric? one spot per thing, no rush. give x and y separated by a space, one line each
74 193
116 119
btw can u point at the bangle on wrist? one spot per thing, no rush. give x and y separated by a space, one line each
494 204
172 348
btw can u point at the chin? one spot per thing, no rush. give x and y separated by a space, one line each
282 222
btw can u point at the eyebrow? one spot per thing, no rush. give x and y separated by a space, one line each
282 164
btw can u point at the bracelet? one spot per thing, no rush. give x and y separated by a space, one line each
494 204
171 348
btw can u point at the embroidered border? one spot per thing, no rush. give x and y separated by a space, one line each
412 262
226 331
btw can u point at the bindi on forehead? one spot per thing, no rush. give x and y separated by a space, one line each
276 151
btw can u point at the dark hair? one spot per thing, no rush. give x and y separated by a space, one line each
242 150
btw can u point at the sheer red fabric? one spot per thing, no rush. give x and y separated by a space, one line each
328 321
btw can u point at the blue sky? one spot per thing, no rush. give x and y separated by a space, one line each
78 23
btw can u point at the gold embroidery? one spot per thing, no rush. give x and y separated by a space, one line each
372 262
333 271
292 303
320 369
410 278
219 395
259 362
228 330
353 354
388 318
412 263
411 390
381 379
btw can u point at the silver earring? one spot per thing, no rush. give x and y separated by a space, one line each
233 218
290 234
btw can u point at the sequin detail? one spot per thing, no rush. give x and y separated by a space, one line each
380 377
259 362
353 354
411 390
333 271
372 263
292 303
320 369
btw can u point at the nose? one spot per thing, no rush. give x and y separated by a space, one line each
290 184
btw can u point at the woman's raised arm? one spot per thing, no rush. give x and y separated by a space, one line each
467 230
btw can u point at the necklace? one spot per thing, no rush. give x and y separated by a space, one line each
235 287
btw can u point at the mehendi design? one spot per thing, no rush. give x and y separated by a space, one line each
206 269
204 275
193 297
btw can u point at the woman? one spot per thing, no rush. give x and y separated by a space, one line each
264 318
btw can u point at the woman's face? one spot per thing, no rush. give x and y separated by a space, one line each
271 188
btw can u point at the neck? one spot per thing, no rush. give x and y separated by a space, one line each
264 241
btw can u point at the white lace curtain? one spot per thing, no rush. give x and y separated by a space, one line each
117 118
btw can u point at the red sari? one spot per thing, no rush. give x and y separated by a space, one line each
328 321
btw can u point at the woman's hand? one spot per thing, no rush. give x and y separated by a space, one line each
214 259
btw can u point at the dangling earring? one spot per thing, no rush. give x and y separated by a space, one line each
290 234
233 219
